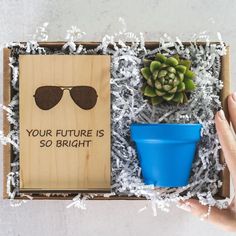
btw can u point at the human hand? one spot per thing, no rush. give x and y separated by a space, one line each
225 218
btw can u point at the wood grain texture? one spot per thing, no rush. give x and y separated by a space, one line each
84 166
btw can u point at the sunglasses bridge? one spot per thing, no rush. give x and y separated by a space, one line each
63 88
66 87
84 96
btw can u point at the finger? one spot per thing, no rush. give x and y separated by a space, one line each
227 142
232 109
222 218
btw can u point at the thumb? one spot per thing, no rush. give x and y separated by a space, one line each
221 217
197 209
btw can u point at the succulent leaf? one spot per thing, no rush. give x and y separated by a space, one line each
158 84
181 68
160 93
155 74
162 73
149 82
154 66
176 82
162 80
176 56
160 57
185 98
189 74
143 88
156 100
146 73
189 85
181 87
147 62
172 61
168 97
171 75
185 63
178 98
173 90
167 87
164 66
171 69
149 91
181 76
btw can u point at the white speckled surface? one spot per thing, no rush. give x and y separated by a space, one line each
18 20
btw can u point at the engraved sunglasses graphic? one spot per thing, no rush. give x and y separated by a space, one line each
47 97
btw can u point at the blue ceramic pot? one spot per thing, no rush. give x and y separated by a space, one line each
166 152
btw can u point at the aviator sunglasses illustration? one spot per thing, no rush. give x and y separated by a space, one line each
47 97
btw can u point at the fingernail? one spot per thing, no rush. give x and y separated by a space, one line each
185 207
234 96
221 115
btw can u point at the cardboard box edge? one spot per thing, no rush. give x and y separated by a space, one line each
224 75
6 125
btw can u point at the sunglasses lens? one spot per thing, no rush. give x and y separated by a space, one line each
47 97
84 96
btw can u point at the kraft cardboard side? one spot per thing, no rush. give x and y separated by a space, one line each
225 76
6 125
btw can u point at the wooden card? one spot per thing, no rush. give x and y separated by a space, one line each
64 122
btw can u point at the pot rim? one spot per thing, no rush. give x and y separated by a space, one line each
164 131
166 124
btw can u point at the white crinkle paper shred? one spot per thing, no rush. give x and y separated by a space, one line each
129 106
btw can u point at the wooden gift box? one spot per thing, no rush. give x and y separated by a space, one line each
8 93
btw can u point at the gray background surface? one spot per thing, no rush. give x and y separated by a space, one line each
18 20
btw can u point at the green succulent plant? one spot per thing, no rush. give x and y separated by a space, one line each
167 79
